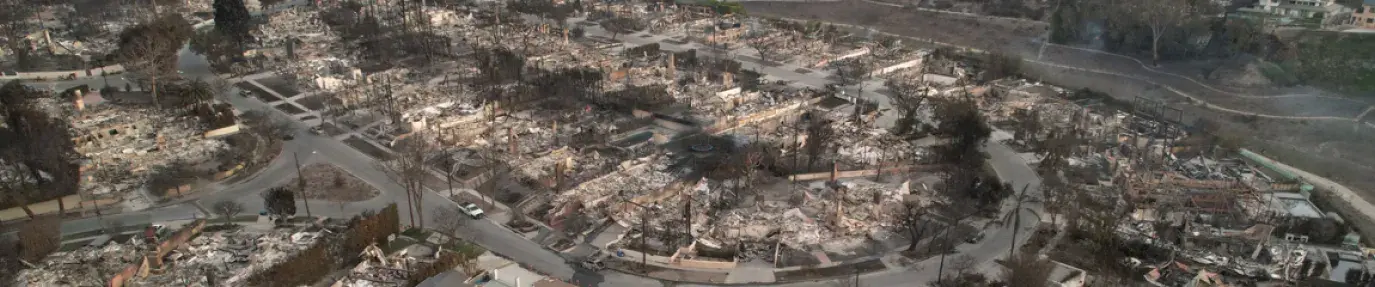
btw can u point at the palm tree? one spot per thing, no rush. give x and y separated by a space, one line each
1015 215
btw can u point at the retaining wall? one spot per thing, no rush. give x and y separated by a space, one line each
861 173
898 66
53 75
72 202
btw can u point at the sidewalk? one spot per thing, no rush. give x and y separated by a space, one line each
74 204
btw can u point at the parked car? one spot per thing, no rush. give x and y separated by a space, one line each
471 210
594 262
975 238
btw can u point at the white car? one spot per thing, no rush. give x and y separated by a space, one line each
471 209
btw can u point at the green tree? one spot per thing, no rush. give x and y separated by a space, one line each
280 202
217 49
1160 16
965 131
42 145
233 21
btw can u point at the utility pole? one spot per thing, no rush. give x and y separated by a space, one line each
301 182
940 271
644 235
856 277
644 231
449 176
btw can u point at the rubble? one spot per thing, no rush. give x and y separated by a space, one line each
140 140
225 255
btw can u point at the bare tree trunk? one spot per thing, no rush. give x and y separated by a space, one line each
1155 47
419 202
410 203
23 204
156 103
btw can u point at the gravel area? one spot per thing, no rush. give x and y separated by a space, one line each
328 182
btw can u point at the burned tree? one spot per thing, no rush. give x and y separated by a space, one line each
820 139
1028 126
227 209
449 220
1057 149
409 169
765 47
620 25
910 219
1027 270
150 49
850 72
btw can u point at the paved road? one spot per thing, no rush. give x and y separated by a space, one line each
326 149
314 148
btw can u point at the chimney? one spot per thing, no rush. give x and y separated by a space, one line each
49 37
80 101
565 36
558 175
835 171
840 207
728 80
672 64
511 133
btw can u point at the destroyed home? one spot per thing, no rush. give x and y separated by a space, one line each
188 255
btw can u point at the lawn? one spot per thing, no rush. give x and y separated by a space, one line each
367 148
289 108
